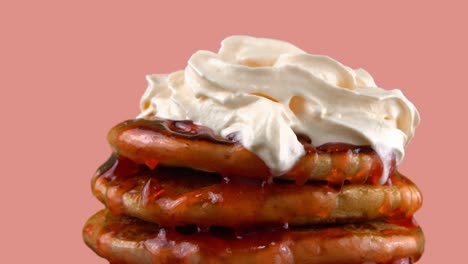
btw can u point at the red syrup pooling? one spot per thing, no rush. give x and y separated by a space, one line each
253 238
343 154
221 241
410 202
151 191
369 170
210 188
118 166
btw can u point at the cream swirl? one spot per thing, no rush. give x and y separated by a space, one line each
266 91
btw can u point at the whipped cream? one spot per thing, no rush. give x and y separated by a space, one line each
266 91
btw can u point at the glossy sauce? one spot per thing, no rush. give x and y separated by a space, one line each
168 194
410 201
117 167
265 243
234 188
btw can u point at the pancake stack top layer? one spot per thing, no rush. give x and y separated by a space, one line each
180 192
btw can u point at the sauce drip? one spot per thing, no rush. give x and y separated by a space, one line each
118 166
411 199
170 193
176 143
226 187
264 243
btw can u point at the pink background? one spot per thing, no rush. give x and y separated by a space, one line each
68 72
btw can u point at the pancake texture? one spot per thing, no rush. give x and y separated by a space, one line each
126 240
183 144
172 197
176 193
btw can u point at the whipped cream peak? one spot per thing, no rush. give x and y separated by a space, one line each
266 91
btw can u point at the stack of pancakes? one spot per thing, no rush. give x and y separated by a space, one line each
177 193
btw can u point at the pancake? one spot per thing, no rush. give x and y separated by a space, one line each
177 196
184 144
126 240
260 153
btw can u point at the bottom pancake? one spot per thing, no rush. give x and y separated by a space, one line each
125 240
